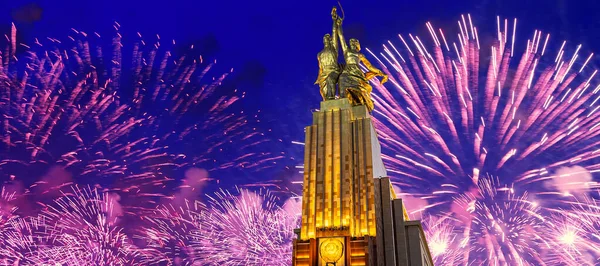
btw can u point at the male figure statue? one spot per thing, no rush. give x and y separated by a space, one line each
329 69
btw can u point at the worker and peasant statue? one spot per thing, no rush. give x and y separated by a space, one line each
351 81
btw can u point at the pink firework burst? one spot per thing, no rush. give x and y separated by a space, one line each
66 107
491 136
247 228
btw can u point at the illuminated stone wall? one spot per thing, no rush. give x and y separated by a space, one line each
347 198
341 151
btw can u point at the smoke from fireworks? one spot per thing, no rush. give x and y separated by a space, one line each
493 139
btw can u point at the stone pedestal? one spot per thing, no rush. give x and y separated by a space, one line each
344 199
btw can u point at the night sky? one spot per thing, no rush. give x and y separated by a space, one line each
272 45
272 48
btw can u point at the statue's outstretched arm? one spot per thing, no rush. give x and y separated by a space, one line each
373 71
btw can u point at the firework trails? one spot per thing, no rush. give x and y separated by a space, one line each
248 229
493 146
496 146
73 114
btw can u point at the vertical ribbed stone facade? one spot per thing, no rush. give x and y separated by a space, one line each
347 197
338 197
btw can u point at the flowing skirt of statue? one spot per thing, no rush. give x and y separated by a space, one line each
355 86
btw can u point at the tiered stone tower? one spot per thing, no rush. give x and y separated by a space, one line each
350 213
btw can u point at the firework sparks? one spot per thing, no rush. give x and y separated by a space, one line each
170 235
574 235
20 243
497 142
247 228
9 225
85 223
70 116
7 207
78 228
135 128
441 238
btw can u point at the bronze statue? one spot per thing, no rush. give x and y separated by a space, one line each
329 69
352 80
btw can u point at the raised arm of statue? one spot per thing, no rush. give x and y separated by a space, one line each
334 35
373 71
341 35
334 30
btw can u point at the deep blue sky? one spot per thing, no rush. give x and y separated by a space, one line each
272 45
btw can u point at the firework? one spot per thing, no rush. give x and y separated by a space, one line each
170 236
7 208
441 236
573 236
491 137
247 229
19 242
20 236
232 229
475 130
85 224
502 225
76 112
9 222
78 228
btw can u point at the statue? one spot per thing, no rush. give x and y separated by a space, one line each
329 69
352 80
